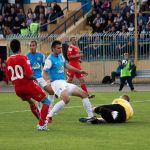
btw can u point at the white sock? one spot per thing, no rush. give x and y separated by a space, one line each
57 107
88 107
51 99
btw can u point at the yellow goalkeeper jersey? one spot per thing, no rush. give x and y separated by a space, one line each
127 106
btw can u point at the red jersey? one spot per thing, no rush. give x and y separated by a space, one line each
73 50
18 70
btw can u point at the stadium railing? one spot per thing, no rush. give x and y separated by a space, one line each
96 47
101 60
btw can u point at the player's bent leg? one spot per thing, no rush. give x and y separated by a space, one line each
84 87
34 109
49 89
50 97
77 91
44 111
59 105
69 80
86 104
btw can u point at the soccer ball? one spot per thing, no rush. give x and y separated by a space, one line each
124 62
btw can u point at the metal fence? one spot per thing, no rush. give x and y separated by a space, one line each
101 51
96 47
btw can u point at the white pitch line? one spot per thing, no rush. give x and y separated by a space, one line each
67 107
11 112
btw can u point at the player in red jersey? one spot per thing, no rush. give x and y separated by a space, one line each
19 72
74 56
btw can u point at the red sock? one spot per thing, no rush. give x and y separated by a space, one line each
43 114
35 111
83 86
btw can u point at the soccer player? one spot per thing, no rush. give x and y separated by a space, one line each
54 71
118 112
74 60
37 61
20 73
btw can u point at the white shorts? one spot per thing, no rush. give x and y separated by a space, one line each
59 86
42 83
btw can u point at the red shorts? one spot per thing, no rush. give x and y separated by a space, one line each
71 74
29 91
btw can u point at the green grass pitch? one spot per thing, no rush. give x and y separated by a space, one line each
18 126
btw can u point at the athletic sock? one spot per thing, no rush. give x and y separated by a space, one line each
35 111
83 86
43 114
88 107
51 99
57 107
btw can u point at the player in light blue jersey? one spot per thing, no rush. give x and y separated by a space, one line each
54 71
37 61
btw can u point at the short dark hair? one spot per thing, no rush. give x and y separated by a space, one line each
126 97
56 42
15 45
72 38
33 41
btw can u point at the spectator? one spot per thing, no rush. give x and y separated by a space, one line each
143 46
24 29
141 26
34 27
29 19
118 19
4 72
39 8
144 7
147 27
131 27
6 31
141 17
125 74
9 22
97 5
98 23
17 25
91 18
106 5
7 9
21 15
42 23
1 70
133 70
18 7
31 13
125 8
129 19
107 29
51 17
48 8
13 13
116 73
57 9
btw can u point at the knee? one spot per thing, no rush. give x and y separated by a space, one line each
84 95
66 101
69 80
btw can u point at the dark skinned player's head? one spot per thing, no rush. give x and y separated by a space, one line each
15 46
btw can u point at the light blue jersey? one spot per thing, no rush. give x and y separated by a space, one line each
37 60
54 66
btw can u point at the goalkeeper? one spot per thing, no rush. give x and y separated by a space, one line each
118 112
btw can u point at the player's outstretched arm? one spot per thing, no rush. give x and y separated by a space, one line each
75 69
45 75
